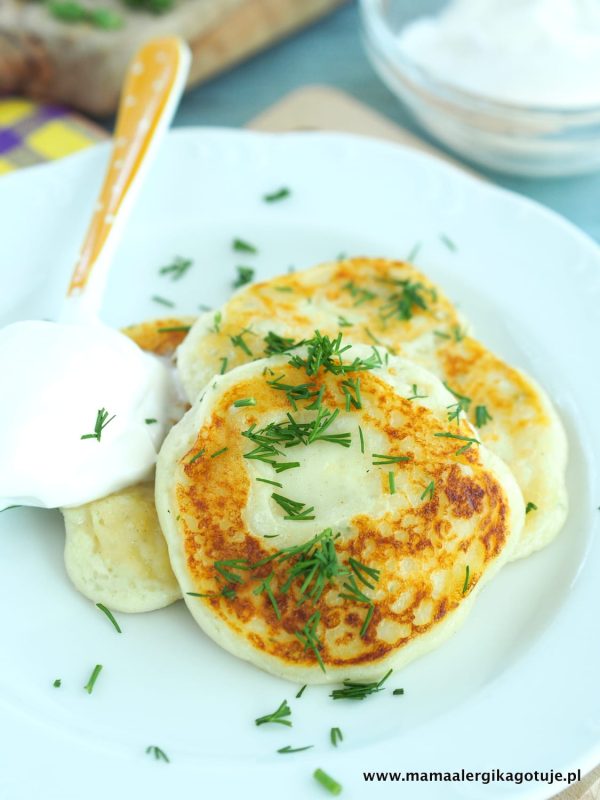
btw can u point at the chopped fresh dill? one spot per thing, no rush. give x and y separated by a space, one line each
301 692
392 482
386 459
429 490
89 687
458 333
158 754
327 782
300 391
530 507
336 736
290 749
102 420
110 616
415 393
466 583
265 586
362 439
279 716
402 302
279 194
177 269
398 691
359 691
322 351
308 637
295 511
482 416
238 341
445 239
244 275
245 401
150 421
218 452
464 402
241 246
372 337
195 457
274 343
356 595
162 300
57 683
360 295
349 386
216 328
224 361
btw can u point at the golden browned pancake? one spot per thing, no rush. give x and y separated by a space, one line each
391 303
115 552
328 522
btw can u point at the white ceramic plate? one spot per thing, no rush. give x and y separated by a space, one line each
516 689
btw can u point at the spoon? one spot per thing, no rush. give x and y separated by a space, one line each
84 410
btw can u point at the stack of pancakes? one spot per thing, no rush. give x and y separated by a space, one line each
352 470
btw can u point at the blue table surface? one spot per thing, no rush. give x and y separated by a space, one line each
331 52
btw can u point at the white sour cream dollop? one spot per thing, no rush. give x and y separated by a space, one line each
524 52
56 378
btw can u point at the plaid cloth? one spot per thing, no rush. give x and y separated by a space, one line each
31 133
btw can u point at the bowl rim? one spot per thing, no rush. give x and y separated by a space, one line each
379 34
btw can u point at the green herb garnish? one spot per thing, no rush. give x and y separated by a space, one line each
308 637
163 301
158 754
102 421
177 268
414 252
279 194
278 717
110 616
386 459
466 583
327 782
360 295
224 361
398 691
336 736
482 416
290 749
57 683
265 586
429 490
244 402
530 507
359 691
218 452
150 421
402 302
362 439
244 276
392 482
273 483
238 341
174 329
198 455
301 692
448 242
295 511
89 687
241 246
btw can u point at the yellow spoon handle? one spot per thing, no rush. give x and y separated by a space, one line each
153 86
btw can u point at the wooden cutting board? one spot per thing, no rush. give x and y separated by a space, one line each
83 67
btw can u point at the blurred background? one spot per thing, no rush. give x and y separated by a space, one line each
249 55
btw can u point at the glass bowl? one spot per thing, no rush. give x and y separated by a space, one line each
521 140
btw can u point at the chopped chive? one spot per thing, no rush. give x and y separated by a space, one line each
238 341
278 716
158 754
174 329
241 246
442 335
162 300
530 507
198 455
279 194
89 687
386 459
109 614
457 436
273 483
245 401
327 782
359 691
392 482
177 268
57 683
244 276
218 453
301 692
343 323
415 393
102 421
284 288
336 736
290 749
362 439
429 490
373 337
216 328
150 421
308 637
224 361
466 583
398 691
295 510
448 242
